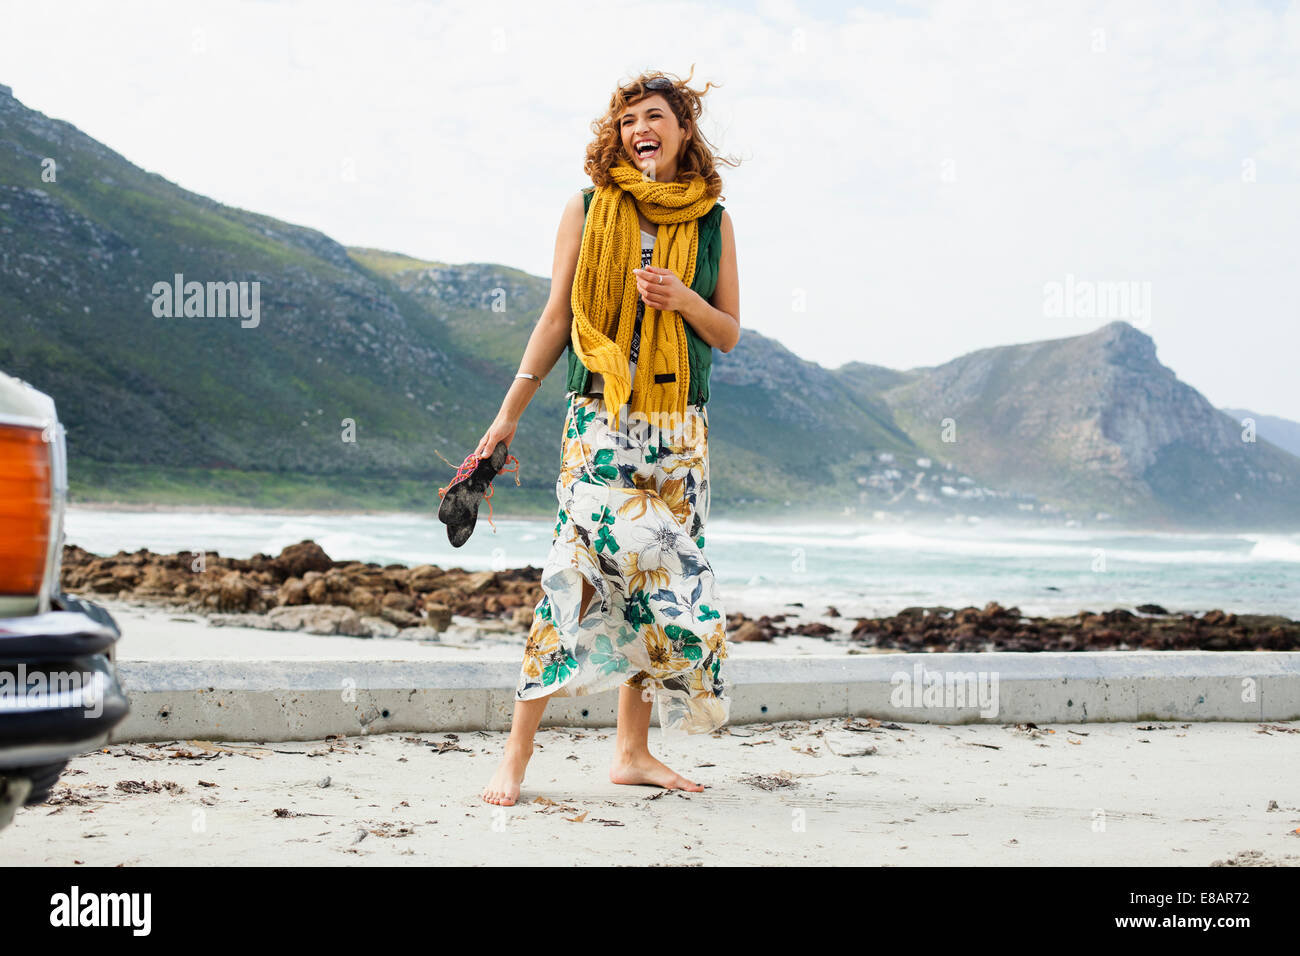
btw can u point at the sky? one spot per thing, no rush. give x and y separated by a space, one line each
916 180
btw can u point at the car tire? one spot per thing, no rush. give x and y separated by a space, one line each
43 778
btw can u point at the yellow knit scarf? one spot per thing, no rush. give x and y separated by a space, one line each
605 294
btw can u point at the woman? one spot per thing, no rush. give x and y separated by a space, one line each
629 598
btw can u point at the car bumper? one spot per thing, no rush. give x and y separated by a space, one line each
59 692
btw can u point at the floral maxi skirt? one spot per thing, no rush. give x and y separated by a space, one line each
632 506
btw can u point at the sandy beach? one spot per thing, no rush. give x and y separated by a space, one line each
802 792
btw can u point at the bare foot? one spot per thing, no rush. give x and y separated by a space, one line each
644 769
503 788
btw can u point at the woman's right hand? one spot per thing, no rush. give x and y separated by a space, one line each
501 430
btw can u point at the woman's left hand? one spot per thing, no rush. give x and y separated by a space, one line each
661 289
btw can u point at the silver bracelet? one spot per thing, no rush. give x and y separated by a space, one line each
528 375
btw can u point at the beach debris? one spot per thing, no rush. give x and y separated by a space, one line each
972 743
579 818
1268 728
1272 805
283 813
448 746
208 783
550 806
139 786
386 829
216 749
755 743
1254 858
807 750
134 754
775 781
847 746
62 795
324 782
863 725
1031 730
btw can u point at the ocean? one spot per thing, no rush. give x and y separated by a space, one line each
863 569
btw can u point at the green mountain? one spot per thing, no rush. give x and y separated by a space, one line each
1280 431
411 360
1095 421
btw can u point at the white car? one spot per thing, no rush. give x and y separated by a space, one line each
59 693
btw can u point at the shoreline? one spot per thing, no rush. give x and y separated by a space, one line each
774 517
303 589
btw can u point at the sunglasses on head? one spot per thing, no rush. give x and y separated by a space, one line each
659 84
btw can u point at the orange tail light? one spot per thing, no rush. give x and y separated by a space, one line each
25 493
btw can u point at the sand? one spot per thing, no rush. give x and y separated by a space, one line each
791 793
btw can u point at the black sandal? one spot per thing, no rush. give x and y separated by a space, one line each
473 483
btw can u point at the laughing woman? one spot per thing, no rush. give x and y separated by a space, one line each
644 288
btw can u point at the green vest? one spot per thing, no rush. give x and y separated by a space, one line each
699 353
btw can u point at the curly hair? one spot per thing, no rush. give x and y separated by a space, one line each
697 158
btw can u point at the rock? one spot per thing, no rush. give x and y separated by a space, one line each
475 583
396 599
241 620
523 618
749 631
297 559
293 591
108 584
437 616
813 629
421 633
378 627
318 619
234 593
1150 609
424 577
364 600
399 617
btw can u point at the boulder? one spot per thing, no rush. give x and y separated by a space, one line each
364 600
421 633
378 627
399 617
297 559
293 591
424 577
396 599
235 594
317 590
750 631
437 616
318 619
